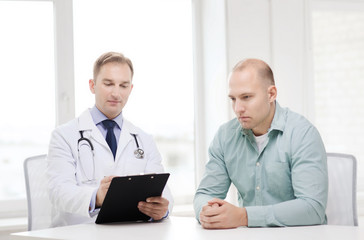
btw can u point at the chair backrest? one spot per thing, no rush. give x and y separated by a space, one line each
39 205
341 205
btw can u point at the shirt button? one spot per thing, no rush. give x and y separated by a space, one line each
258 187
258 164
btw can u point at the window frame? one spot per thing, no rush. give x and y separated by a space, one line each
64 87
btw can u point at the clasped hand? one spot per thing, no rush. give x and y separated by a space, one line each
218 214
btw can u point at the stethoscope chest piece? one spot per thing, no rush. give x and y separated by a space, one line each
139 153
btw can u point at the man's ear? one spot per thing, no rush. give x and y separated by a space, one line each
272 92
91 84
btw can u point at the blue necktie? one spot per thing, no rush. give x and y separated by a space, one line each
110 136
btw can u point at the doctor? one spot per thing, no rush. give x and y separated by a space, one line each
87 152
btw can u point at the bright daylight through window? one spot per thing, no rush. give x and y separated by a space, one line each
156 36
27 89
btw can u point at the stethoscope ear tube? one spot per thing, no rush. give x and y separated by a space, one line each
82 138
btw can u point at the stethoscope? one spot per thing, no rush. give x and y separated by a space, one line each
138 153
84 141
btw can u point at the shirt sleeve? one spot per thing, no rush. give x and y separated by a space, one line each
215 182
309 183
93 210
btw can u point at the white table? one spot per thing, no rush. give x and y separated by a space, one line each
187 228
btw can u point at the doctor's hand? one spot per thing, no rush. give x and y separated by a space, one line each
218 214
101 192
154 207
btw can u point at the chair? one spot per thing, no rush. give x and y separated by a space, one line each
39 205
341 205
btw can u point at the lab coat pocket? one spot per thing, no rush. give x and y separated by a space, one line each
135 165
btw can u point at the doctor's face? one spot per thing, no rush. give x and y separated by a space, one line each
112 88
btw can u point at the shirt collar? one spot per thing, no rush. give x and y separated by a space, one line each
278 122
98 117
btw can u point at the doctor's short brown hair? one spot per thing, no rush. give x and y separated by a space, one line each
114 57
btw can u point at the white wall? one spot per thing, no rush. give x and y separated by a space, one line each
274 31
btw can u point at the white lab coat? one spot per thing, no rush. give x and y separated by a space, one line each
69 195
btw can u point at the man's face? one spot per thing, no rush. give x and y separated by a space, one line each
112 88
252 100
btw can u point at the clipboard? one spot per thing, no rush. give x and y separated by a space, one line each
124 194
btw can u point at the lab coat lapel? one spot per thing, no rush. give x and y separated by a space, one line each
125 137
86 123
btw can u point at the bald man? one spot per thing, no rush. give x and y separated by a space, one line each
273 156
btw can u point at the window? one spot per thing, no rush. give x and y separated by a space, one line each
338 49
27 89
156 36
